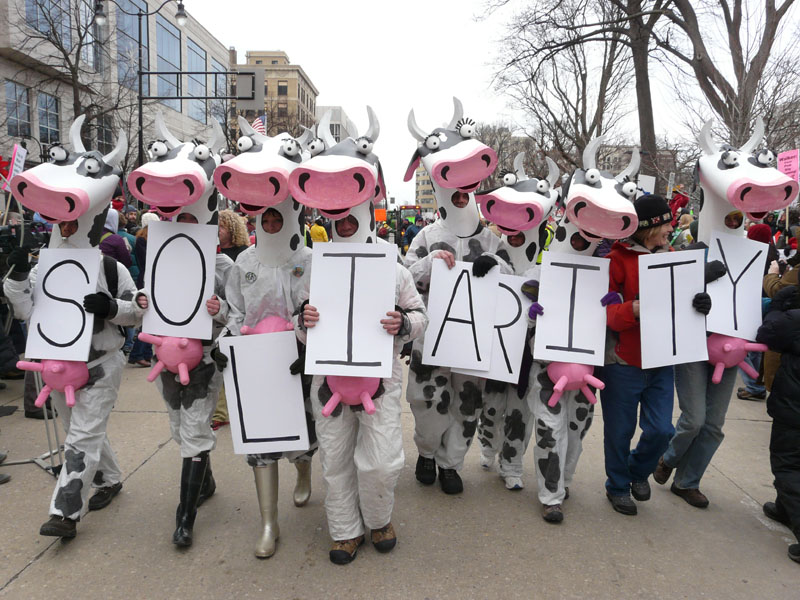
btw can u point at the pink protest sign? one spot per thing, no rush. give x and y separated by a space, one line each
789 163
17 165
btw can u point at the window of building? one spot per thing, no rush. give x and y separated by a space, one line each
196 59
168 48
48 119
258 62
105 134
283 88
266 90
218 109
274 62
128 46
90 50
41 14
283 110
337 131
18 109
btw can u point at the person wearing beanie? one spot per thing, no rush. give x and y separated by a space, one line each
630 389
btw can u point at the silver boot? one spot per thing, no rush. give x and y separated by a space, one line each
267 490
302 489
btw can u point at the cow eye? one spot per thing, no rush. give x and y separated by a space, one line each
244 143
543 186
158 149
730 159
432 142
291 147
201 152
509 179
92 165
466 128
592 176
364 145
766 158
629 189
316 146
57 154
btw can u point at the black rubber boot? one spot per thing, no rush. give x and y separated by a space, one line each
209 485
191 484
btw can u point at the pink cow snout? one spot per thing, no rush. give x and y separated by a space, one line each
568 377
725 351
268 325
334 192
510 217
254 191
466 173
756 199
168 192
66 376
614 223
176 355
54 204
351 391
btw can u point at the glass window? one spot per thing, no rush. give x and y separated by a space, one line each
218 108
105 134
18 109
283 88
274 62
168 48
44 15
283 110
128 46
196 61
48 119
90 49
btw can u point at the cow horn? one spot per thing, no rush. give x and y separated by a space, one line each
552 171
415 129
458 112
633 166
519 166
75 134
590 152
217 142
706 140
307 136
114 158
324 130
755 139
374 127
161 129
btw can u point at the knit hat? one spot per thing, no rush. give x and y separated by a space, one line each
760 232
652 211
148 218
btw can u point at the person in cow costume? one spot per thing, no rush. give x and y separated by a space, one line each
162 183
73 191
446 405
520 209
269 280
730 179
361 453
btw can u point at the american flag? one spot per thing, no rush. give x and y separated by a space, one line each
260 124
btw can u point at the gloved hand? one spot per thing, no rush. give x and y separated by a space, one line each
219 358
530 289
702 303
100 304
611 298
714 270
536 310
18 258
296 368
482 265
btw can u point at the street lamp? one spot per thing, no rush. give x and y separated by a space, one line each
101 19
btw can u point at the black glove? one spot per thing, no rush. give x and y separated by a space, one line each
714 270
18 258
296 368
702 303
219 358
100 304
482 265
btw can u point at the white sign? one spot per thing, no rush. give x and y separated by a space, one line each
17 165
736 296
459 334
179 278
672 331
265 401
646 184
352 287
59 327
510 330
573 326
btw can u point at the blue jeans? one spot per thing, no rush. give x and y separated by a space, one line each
754 360
699 428
129 333
628 388
140 351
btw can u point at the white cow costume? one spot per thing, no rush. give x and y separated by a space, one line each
519 209
361 454
78 186
269 279
446 405
177 181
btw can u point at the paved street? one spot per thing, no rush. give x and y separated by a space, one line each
486 543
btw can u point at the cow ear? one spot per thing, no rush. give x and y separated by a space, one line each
217 143
381 184
412 166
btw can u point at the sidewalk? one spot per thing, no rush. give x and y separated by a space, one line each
486 543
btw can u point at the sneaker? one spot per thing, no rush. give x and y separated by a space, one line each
640 490
426 470
662 473
622 504
58 527
384 539
794 552
745 395
776 514
552 513
487 460
217 424
514 484
693 497
450 481
104 495
344 551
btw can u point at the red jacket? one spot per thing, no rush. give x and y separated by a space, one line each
623 274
